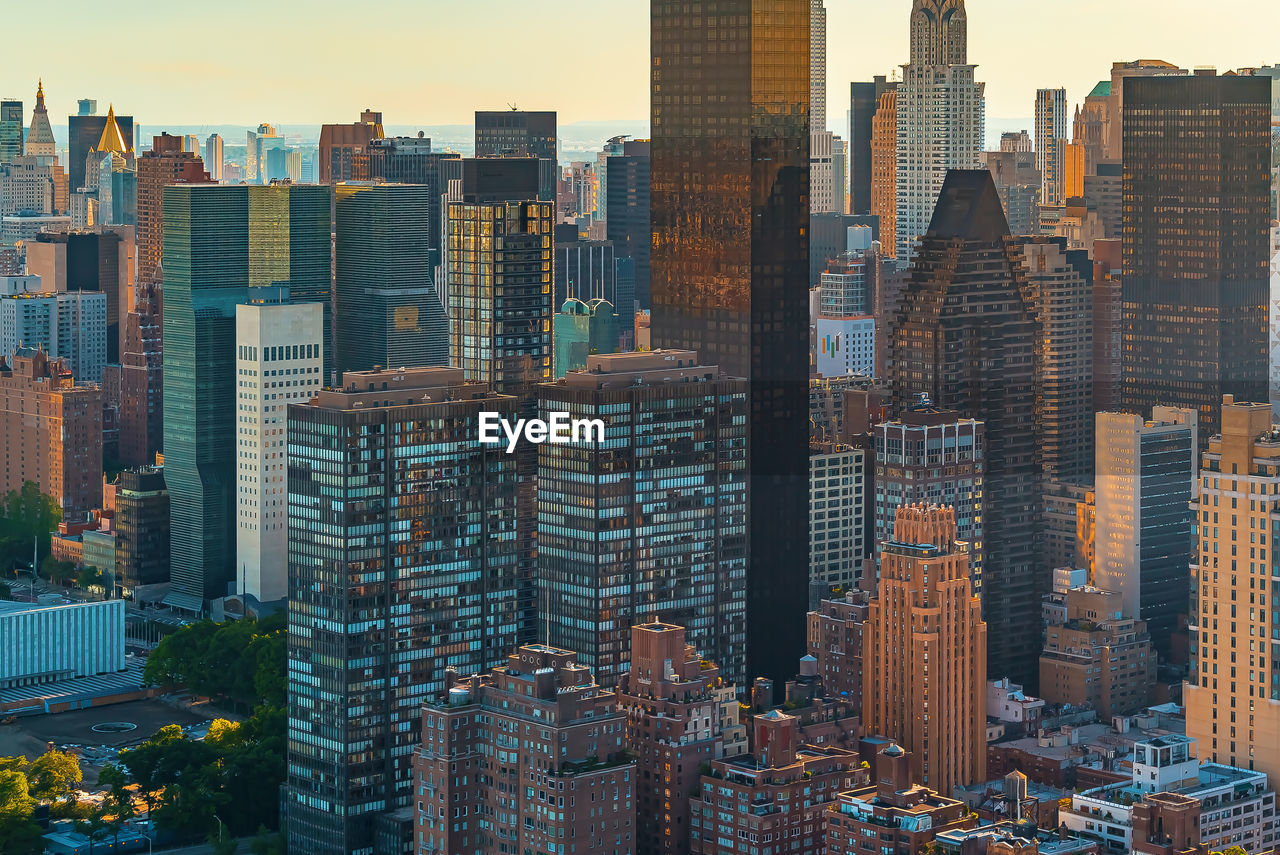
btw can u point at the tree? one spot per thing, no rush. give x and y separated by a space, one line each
53 775
88 577
18 834
222 844
26 515
94 828
57 571
117 807
266 843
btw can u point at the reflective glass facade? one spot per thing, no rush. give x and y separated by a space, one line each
729 214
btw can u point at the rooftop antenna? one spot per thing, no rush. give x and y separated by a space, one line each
513 107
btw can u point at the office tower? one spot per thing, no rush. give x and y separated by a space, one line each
580 755
69 326
672 416
1106 325
166 163
279 348
673 698
581 329
1195 241
255 157
142 529
790 779
213 157
837 515
822 180
1017 183
39 141
845 330
612 148
940 113
884 168
584 269
1016 141
1104 192
934 705
385 595
52 431
282 164
1064 537
1145 476
1123 73
340 145
1051 135
224 239
1061 294
10 130
729 223
388 312
1099 656
865 100
522 133
410 160
141 414
84 131
86 261
981 362
500 327
1233 690
27 187
840 167
934 456
818 65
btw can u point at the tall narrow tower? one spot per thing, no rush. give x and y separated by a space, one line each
40 137
924 682
940 114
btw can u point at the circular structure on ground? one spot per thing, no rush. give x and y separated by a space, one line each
114 727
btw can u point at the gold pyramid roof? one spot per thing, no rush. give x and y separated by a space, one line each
112 139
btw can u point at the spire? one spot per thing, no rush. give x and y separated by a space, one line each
112 139
40 91
939 33
40 136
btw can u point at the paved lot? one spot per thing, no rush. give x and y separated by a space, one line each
30 734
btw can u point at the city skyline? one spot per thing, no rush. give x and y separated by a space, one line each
423 82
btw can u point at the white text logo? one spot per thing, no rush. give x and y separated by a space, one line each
559 429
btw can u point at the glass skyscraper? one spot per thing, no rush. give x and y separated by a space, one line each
220 240
729 212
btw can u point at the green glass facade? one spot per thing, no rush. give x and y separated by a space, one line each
219 241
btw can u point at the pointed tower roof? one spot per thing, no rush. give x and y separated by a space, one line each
969 208
112 139
40 136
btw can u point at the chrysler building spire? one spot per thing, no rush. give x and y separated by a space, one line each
939 33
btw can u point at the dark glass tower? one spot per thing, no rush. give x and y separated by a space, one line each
729 213
965 335
1197 168
220 240
627 216
83 133
10 130
388 312
522 133
864 98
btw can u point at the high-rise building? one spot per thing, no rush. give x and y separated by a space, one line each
87 260
865 100
1197 195
1143 540
500 326
213 157
981 362
584 269
385 595
84 132
625 187
1104 193
1061 294
935 705
1098 655
283 164
729 192
822 176
67 326
142 529
388 311
279 357
141 413
225 239
51 432
410 160
818 65
10 130
1233 690
838 495
940 114
1018 183
255 156
840 167
1121 74
522 133
673 698
40 142
933 456
579 754
341 145
884 168
1107 338
581 329
1051 136
835 637
166 163
672 469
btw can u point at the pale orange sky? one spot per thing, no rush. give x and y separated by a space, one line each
247 61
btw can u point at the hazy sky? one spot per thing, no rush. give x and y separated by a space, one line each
435 61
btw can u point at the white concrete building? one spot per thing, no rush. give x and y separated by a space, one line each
1237 805
837 514
1008 703
846 345
46 644
940 115
822 173
817 66
1051 133
68 325
279 356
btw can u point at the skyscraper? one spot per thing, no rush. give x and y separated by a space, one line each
522 133
940 112
1051 136
864 103
10 130
83 133
166 163
1233 690
340 145
626 197
1197 172
387 591
388 311
818 65
665 532
822 177
255 155
142 383
221 240
213 157
1143 540
924 675
884 169
729 214
981 362
40 141
410 160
